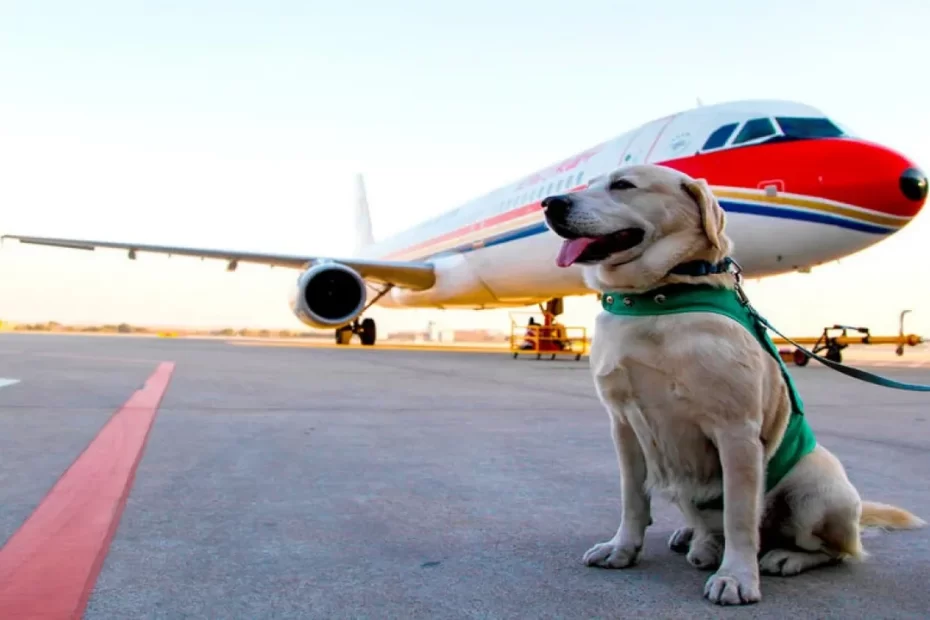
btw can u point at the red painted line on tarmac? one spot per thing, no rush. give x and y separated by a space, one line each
49 567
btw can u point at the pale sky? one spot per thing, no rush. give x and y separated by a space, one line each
240 125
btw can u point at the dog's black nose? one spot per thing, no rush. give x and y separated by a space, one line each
556 206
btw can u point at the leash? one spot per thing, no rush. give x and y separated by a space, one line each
855 373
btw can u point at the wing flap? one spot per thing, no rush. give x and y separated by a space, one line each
407 274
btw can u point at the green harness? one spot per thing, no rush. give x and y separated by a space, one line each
799 438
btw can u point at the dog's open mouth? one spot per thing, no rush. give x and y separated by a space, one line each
592 250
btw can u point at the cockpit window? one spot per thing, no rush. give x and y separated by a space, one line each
719 137
802 128
755 129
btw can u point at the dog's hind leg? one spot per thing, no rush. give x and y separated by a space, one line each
812 551
680 540
815 517
624 548
787 562
702 538
834 536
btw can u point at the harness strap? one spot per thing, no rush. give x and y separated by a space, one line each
798 438
849 371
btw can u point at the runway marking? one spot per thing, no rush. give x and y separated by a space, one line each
49 567
7 382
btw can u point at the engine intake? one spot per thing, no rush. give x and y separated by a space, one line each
328 295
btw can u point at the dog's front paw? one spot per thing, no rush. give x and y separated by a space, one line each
726 587
613 554
705 552
680 540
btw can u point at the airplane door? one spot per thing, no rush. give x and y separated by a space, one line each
642 148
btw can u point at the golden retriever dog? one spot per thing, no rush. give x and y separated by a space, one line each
697 406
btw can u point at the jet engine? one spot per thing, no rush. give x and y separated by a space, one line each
328 295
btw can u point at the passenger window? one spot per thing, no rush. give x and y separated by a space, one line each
580 176
719 137
755 129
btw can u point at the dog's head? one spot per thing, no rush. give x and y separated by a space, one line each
630 227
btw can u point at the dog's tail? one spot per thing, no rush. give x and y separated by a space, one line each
876 514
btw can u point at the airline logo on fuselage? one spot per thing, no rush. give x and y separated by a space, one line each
565 166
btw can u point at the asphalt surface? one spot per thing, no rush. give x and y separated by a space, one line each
320 483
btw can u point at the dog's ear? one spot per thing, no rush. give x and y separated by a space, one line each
713 219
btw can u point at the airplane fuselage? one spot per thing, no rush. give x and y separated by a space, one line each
798 191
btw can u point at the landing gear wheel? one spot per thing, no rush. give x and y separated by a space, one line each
367 332
344 335
800 359
834 355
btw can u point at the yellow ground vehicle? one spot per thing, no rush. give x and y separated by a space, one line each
548 337
834 343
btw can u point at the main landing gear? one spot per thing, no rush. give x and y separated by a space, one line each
365 329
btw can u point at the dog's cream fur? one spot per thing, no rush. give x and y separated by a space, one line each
697 406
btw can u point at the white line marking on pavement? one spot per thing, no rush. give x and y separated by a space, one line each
6 382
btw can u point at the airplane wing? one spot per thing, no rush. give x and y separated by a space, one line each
408 274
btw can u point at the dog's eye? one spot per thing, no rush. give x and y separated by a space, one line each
621 184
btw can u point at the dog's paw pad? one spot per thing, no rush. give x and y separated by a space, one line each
727 589
680 540
612 554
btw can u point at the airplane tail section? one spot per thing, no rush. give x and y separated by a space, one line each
363 234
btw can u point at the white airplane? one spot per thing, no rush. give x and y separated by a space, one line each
799 190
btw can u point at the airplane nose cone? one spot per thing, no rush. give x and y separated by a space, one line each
913 184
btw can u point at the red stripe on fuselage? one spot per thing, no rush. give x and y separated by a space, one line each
495 220
850 171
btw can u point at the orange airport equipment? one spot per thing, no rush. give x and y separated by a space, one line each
834 343
529 336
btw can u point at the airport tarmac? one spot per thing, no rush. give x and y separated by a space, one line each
302 482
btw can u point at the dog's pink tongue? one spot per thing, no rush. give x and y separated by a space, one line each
571 250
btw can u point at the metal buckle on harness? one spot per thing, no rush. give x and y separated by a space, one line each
737 272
